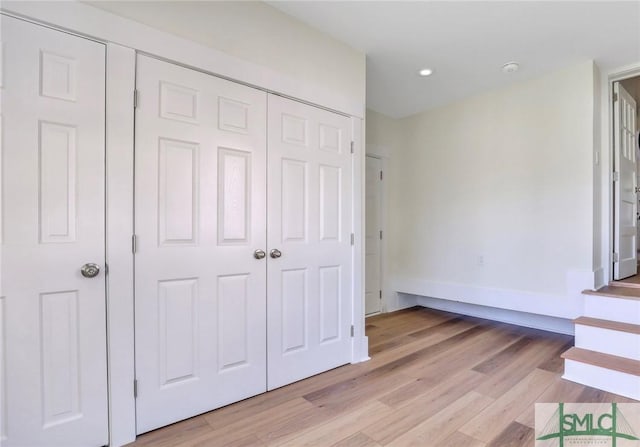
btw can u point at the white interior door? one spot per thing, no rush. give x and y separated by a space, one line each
200 215
53 352
373 240
309 223
625 196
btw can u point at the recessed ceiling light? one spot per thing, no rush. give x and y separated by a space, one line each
425 72
510 67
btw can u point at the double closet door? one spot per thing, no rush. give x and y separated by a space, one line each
243 260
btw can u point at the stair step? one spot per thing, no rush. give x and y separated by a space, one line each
608 324
605 379
612 308
607 361
627 293
625 283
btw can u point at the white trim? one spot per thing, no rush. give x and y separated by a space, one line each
560 306
121 365
543 322
108 27
360 350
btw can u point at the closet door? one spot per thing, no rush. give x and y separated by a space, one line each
53 369
200 225
309 228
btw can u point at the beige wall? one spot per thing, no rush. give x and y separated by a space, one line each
255 32
506 176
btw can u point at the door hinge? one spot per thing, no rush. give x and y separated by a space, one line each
134 244
380 234
381 294
616 176
353 331
135 388
616 257
353 239
135 99
106 268
380 175
352 144
615 96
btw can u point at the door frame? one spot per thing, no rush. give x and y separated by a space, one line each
123 38
604 274
382 210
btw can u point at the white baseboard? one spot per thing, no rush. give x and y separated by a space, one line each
599 279
543 322
568 305
398 301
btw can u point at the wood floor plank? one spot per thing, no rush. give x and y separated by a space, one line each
457 439
500 360
338 428
559 391
465 353
423 406
489 423
520 365
174 434
515 435
444 423
357 440
264 422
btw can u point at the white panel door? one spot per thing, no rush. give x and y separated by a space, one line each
625 196
199 217
53 372
373 286
309 224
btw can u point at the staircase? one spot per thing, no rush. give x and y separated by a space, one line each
607 341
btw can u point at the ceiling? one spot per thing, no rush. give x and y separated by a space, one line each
466 43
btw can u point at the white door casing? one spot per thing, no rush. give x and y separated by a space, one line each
373 236
309 221
53 353
199 215
625 196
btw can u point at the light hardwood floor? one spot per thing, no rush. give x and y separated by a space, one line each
435 379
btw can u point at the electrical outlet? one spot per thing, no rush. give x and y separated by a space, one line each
480 261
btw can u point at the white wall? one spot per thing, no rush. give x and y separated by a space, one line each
495 193
255 32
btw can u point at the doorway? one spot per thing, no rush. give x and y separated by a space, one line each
626 97
374 234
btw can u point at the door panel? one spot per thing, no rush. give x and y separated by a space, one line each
309 221
53 356
625 196
373 244
200 214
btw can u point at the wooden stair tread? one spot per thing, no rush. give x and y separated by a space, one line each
602 360
608 324
627 293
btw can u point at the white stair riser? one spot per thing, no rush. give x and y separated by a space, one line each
613 309
609 380
621 344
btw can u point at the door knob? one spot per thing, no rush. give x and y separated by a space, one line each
259 254
90 270
275 253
